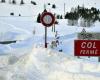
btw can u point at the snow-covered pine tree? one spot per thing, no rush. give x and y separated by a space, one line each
48 3
12 14
3 1
38 18
58 16
45 10
54 6
19 14
13 1
22 2
61 17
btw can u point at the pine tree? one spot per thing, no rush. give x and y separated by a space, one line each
22 2
48 3
54 6
38 18
61 17
58 16
13 2
78 7
3 1
67 15
99 19
12 14
45 10
19 14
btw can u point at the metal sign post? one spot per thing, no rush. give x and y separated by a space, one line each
45 37
88 36
47 19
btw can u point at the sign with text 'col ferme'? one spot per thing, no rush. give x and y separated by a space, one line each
87 48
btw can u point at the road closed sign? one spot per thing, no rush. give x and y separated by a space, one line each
47 19
87 48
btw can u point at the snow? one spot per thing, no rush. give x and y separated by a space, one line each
20 63
32 10
27 59
47 65
11 32
3 49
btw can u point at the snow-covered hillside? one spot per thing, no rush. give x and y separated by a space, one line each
31 10
27 59
10 32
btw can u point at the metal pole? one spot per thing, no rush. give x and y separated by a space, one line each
52 28
9 1
45 37
98 59
64 9
54 25
44 6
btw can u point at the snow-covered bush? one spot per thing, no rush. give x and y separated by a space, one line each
85 23
12 14
22 2
72 22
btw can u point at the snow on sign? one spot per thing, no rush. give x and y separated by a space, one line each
89 36
87 48
47 19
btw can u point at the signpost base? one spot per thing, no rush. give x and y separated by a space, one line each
46 45
45 37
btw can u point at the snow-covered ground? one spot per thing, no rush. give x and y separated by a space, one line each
45 64
28 60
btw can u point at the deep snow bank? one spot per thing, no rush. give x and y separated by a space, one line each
43 64
9 32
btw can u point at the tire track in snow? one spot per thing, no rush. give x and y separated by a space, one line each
16 28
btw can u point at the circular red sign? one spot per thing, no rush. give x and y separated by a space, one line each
47 19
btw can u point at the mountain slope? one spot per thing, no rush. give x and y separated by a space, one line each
31 10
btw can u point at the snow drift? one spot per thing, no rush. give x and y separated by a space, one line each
10 32
45 64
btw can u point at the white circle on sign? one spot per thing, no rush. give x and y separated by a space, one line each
47 19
